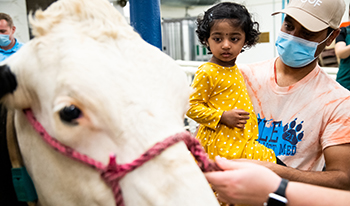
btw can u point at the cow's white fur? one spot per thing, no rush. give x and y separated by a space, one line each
131 95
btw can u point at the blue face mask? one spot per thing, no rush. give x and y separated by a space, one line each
4 40
296 52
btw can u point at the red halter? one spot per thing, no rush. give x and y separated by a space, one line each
114 172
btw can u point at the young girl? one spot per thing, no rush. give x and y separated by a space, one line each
220 102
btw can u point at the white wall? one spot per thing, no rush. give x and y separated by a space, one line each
346 15
179 12
261 11
17 10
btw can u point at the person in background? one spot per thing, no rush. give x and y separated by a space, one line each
220 102
8 43
252 184
303 113
342 51
8 46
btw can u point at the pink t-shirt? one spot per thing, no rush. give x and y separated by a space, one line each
300 120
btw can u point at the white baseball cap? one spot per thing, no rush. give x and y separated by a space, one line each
316 15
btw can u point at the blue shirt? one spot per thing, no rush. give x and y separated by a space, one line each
4 54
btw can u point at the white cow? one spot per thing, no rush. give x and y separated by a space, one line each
97 87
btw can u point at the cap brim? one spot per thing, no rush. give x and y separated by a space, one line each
307 20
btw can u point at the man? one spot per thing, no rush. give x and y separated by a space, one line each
303 114
8 44
342 50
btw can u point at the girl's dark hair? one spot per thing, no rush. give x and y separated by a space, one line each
227 10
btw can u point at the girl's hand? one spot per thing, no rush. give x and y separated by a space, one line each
235 118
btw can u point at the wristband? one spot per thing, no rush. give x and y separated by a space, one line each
278 198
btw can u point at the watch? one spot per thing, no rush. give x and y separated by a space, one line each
278 198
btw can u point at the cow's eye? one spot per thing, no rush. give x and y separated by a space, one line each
69 114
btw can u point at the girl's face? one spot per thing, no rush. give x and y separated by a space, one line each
226 42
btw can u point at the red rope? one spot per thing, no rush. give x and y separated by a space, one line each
63 149
113 173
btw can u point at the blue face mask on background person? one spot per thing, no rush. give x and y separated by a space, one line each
4 40
296 52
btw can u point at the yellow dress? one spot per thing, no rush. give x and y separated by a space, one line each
218 89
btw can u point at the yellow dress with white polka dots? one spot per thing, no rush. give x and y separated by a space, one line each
218 89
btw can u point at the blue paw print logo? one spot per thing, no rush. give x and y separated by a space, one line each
291 132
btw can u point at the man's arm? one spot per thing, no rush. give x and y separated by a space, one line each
337 174
342 50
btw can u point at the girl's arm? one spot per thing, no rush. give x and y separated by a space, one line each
204 87
199 111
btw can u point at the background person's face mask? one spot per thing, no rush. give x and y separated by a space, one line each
4 40
296 52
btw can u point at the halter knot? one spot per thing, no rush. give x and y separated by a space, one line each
112 174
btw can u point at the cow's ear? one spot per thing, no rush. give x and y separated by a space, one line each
8 82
